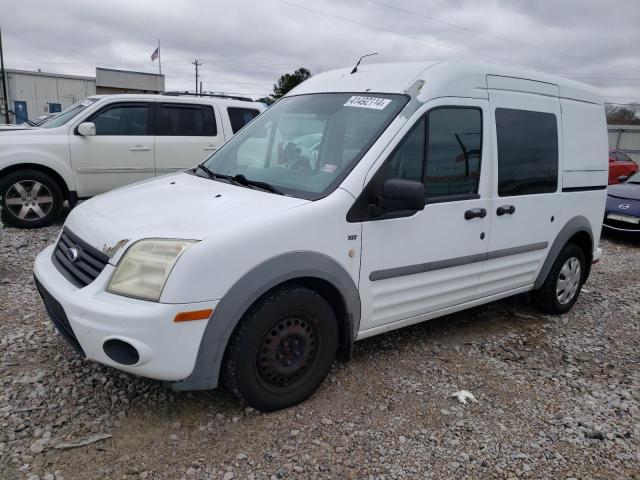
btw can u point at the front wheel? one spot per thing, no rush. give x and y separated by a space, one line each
282 350
30 198
562 286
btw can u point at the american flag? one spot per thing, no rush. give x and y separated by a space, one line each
155 54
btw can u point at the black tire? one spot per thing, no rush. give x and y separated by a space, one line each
290 324
546 298
36 213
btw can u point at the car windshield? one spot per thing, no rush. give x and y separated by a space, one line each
68 113
635 178
305 145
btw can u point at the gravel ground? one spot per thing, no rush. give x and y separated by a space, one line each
557 397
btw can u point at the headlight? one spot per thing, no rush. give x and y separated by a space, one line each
145 267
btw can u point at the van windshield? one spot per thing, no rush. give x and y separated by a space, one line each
68 113
306 145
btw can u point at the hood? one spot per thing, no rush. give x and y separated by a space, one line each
630 191
180 205
14 128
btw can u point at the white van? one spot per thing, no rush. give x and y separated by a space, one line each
357 204
105 142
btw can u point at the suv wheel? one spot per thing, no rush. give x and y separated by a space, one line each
562 286
282 349
30 199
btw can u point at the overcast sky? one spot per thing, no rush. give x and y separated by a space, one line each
245 45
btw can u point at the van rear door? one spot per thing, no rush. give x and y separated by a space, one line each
526 211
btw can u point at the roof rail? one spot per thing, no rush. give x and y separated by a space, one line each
210 95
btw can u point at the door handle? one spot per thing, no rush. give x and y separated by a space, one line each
475 212
211 147
140 148
505 210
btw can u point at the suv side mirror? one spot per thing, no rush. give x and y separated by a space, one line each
399 195
87 129
623 178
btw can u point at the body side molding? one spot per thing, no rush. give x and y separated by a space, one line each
247 290
453 262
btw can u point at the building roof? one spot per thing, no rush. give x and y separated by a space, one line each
49 74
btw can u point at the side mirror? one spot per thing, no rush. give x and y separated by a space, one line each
623 178
400 195
87 129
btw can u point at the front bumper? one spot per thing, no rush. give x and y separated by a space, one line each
90 316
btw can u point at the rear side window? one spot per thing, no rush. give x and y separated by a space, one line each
527 152
443 151
176 119
122 119
239 117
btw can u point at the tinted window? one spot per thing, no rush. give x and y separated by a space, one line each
121 119
454 144
186 120
239 117
442 151
620 157
527 152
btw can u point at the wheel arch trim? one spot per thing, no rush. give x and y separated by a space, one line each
251 286
576 225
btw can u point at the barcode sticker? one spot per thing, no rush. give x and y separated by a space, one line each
368 102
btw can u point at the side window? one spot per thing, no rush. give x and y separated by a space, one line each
239 117
443 151
454 147
175 119
122 119
527 152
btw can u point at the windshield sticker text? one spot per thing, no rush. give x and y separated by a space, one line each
368 102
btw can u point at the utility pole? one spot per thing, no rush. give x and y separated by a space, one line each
197 64
3 77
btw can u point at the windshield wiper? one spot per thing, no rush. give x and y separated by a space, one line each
206 170
240 178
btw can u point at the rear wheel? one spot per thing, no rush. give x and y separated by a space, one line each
282 349
562 286
30 199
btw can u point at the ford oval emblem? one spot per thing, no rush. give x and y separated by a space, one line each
624 206
72 254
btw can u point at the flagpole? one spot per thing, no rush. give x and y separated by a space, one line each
159 60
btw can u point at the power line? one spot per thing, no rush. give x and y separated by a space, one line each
469 29
412 37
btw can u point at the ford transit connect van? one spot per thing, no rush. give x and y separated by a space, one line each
107 141
357 204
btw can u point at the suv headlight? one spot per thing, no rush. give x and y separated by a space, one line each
145 267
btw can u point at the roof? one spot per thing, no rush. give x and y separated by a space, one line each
182 99
442 79
48 74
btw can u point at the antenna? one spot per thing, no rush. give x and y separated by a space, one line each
355 69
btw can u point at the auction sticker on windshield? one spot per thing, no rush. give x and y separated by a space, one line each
368 102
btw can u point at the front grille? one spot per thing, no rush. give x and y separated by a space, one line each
78 261
58 317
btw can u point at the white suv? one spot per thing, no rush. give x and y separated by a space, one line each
104 142
357 204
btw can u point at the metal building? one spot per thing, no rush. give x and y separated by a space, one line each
626 138
31 94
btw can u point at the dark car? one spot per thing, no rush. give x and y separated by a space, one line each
622 213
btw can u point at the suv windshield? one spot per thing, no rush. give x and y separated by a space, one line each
305 145
68 113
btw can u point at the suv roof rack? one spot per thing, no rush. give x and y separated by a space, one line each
214 95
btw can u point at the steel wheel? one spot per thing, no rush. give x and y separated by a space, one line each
286 352
568 280
29 200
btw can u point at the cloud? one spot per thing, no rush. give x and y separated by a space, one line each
246 45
